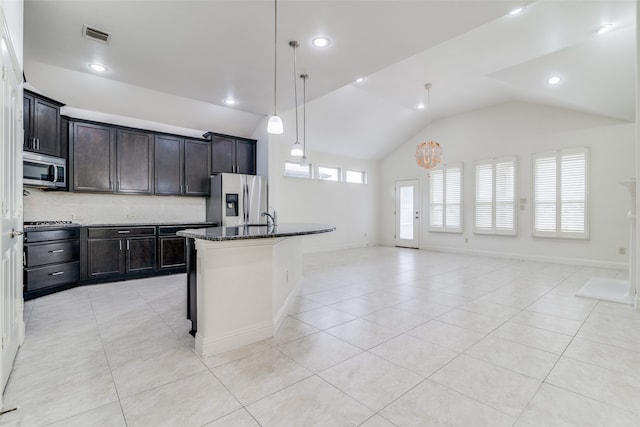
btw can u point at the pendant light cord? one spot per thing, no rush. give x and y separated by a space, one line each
275 53
294 45
304 114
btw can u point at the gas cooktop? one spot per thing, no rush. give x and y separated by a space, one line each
49 224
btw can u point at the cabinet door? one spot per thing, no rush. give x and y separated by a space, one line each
141 254
168 165
196 168
27 122
104 257
246 157
93 157
46 127
134 162
223 154
172 252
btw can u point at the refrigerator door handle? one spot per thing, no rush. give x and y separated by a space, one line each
245 203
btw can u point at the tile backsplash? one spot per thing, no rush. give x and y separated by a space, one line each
86 208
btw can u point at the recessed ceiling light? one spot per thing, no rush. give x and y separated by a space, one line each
420 107
554 80
605 28
229 101
99 68
517 11
321 41
359 79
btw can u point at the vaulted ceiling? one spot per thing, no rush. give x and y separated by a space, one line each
474 53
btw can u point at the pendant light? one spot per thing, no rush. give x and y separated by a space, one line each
428 154
296 150
304 161
274 126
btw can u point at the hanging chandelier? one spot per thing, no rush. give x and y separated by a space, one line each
428 154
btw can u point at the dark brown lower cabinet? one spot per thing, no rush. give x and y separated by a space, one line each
140 254
51 260
172 252
120 251
104 257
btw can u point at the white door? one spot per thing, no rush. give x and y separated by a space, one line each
11 322
408 213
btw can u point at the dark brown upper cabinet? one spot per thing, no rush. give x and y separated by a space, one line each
134 162
41 121
181 166
197 157
231 154
169 165
93 157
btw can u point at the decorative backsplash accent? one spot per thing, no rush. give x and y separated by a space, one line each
111 208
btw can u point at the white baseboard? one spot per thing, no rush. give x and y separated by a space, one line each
595 263
210 347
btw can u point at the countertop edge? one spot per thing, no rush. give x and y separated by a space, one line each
221 234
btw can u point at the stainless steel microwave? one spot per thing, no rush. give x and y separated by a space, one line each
39 170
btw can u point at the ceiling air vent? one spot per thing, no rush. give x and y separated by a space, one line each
95 34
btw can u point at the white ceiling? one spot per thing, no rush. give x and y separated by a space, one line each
473 53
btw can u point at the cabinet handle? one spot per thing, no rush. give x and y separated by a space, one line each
33 143
57 251
124 231
57 273
38 143
187 188
127 245
120 244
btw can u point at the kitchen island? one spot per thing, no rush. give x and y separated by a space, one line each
245 278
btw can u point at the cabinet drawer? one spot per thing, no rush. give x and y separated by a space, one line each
109 232
51 253
32 236
50 275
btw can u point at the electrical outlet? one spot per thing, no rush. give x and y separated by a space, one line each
622 251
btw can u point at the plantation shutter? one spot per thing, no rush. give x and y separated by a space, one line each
495 198
505 205
484 198
560 193
436 200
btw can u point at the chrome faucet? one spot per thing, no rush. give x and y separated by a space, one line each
273 218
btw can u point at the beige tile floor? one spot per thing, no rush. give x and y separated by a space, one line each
377 337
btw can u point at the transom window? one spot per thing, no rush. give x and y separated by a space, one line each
296 170
327 173
354 177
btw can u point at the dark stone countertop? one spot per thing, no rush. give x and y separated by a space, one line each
220 234
32 227
150 224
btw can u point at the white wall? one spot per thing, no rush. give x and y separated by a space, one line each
351 208
87 208
523 129
13 11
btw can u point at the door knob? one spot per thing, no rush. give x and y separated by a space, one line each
15 233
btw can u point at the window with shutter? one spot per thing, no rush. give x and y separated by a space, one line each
560 180
445 199
495 197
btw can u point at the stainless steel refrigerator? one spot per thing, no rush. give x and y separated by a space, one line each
236 199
